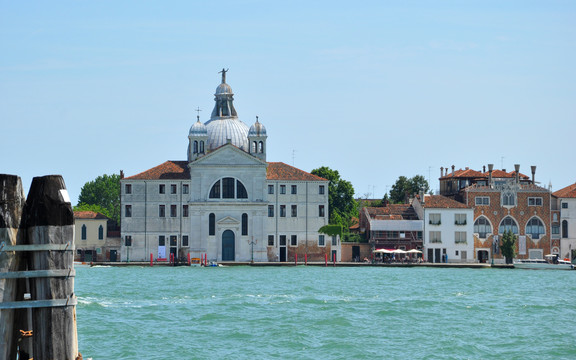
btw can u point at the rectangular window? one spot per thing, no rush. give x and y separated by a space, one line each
128 188
294 189
173 240
270 240
555 229
435 219
184 210
294 210
534 201
128 211
460 237
321 210
282 210
321 240
282 240
460 219
282 189
334 240
128 240
172 188
161 240
185 189
321 190
293 240
161 189
184 240
482 200
564 205
162 210
173 212
270 210
435 237
270 189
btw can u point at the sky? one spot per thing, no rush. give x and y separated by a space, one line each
373 89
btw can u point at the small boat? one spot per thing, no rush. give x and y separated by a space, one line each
195 262
550 263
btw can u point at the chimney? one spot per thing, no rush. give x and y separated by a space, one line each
441 171
483 168
533 168
490 168
453 170
122 173
517 169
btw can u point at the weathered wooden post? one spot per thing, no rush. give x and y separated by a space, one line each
49 222
11 206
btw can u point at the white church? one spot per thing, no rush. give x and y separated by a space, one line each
225 200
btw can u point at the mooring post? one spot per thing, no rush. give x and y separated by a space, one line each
325 259
12 202
306 259
295 259
49 222
151 259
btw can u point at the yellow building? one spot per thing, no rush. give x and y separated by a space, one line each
90 237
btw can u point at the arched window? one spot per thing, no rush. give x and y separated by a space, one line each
261 146
212 224
482 227
201 147
228 188
83 232
535 228
555 217
508 224
195 147
101 233
564 228
244 224
254 147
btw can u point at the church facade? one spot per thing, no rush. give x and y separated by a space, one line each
225 200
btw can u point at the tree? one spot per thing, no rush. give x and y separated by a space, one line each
404 187
341 204
104 191
508 246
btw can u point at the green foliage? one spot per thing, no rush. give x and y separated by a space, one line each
356 238
331 230
92 207
404 187
104 191
341 204
508 246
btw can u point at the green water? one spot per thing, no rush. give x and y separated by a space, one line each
325 313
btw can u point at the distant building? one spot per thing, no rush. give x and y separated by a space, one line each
448 229
565 224
225 200
504 201
91 238
393 226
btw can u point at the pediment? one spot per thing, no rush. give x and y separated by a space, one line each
228 155
228 220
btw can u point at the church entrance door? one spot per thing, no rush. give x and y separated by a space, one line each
228 246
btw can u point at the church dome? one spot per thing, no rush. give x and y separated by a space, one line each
198 129
257 129
223 89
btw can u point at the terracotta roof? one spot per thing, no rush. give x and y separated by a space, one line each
567 192
392 212
467 173
281 171
169 170
442 202
89 215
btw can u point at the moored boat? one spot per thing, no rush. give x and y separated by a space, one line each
550 263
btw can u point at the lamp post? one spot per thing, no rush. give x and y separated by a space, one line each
252 243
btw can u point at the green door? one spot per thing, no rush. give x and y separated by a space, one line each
228 246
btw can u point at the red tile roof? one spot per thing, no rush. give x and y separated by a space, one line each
469 173
281 171
442 202
89 215
567 192
175 170
392 212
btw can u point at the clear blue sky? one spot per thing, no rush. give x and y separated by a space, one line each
373 89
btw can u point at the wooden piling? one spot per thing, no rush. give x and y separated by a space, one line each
49 222
11 206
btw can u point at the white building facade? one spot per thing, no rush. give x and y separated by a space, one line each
226 201
566 198
448 229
